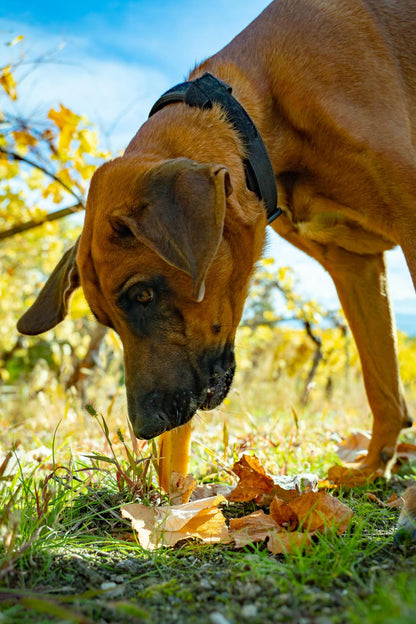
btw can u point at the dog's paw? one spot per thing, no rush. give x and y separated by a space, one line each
406 526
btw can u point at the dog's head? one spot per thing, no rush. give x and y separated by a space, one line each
159 265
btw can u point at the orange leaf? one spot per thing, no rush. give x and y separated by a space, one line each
283 515
282 543
253 480
252 528
287 488
24 138
350 477
317 511
406 451
393 502
354 447
64 117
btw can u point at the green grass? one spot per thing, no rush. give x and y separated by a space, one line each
67 556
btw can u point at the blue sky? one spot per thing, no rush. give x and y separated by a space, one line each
111 60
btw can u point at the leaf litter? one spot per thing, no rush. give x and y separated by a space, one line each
352 451
296 512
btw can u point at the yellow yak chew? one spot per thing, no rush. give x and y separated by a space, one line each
174 451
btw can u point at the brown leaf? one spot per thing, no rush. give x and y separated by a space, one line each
181 488
205 490
253 480
354 447
166 525
405 451
289 487
282 543
317 511
351 477
252 528
393 502
284 515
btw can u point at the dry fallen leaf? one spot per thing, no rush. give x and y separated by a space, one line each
255 527
318 511
394 502
166 525
406 450
284 515
201 518
180 487
253 480
351 477
289 487
283 543
354 447
205 490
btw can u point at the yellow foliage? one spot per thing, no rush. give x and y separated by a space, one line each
53 190
8 169
24 138
79 306
15 40
8 82
269 315
64 118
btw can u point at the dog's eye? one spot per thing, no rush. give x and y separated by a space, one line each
145 296
120 228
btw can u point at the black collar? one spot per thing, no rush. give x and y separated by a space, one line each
205 91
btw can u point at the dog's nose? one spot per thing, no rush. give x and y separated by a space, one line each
218 370
151 426
159 411
222 364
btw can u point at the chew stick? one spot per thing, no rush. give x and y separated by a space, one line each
174 451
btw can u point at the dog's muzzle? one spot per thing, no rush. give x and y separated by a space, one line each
163 409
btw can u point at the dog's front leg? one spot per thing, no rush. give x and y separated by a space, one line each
361 283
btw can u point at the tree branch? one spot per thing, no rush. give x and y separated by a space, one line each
52 216
32 163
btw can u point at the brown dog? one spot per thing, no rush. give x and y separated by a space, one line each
174 227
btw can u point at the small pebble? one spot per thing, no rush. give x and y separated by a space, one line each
205 584
249 611
218 618
108 585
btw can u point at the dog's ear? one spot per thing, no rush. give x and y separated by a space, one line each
51 305
182 216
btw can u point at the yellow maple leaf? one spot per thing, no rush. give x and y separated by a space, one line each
8 82
24 138
64 117
67 123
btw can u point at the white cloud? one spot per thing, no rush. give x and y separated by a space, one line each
115 95
114 75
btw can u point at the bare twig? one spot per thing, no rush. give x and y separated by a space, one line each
52 216
317 357
28 161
